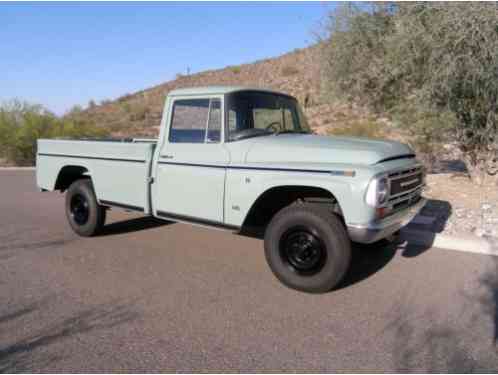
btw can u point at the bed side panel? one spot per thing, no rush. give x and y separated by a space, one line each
119 170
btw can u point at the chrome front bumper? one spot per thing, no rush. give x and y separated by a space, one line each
379 229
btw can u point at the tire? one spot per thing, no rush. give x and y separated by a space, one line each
86 217
307 248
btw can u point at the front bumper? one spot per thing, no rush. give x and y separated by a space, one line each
379 229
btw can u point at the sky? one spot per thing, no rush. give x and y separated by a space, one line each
60 54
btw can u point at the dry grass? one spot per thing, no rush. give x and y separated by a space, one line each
367 128
117 114
289 70
139 114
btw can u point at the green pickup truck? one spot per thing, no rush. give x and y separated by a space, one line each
245 159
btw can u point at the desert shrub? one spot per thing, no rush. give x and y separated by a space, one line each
234 69
138 112
354 53
22 124
359 128
289 70
124 97
439 57
75 110
126 106
427 129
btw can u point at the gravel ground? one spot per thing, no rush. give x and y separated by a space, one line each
460 207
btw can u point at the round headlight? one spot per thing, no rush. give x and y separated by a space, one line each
377 192
382 190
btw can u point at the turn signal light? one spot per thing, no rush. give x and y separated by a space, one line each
382 212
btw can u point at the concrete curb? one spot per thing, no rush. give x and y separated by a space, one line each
472 244
17 168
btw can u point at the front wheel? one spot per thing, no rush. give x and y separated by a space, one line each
307 248
83 212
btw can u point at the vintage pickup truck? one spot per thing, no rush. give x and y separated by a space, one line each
241 158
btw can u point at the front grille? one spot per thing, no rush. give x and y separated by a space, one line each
404 184
405 181
411 198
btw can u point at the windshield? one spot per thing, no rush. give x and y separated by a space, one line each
253 113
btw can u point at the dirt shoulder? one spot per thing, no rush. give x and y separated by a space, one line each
461 207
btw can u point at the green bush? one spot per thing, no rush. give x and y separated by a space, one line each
354 54
22 124
235 69
126 106
427 129
440 58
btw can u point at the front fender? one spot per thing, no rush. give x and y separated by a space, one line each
244 187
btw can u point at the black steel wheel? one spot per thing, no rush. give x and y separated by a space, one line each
302 250
83 212
307 248
79 208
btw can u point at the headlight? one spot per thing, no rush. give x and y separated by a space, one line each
377 191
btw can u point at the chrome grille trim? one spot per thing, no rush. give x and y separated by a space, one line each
405 173
406 195
394 176
404 192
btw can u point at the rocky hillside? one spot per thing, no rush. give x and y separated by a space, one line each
296 73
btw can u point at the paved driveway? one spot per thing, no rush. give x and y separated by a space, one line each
153 296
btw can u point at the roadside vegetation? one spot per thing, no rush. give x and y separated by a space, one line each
367 128
21 124
422 73
432 67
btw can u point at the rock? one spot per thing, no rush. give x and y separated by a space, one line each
486 206
480 232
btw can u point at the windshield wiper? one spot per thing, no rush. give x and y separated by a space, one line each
245 134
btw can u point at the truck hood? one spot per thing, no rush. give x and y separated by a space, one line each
302 148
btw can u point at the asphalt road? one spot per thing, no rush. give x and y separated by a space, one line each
152 296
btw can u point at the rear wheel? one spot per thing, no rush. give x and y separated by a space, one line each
84 214
307 248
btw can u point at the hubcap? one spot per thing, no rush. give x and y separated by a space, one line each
79 209
302 250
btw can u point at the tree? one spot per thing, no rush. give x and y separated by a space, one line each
442 58
22 124
454 51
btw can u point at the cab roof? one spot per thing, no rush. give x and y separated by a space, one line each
219 90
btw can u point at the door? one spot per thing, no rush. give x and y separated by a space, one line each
191 167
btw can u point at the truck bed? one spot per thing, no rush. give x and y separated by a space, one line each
120 168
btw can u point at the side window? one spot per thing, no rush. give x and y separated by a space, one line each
188 124
214 122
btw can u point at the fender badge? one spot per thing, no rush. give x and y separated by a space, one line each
343 173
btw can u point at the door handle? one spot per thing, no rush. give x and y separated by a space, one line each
167 156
